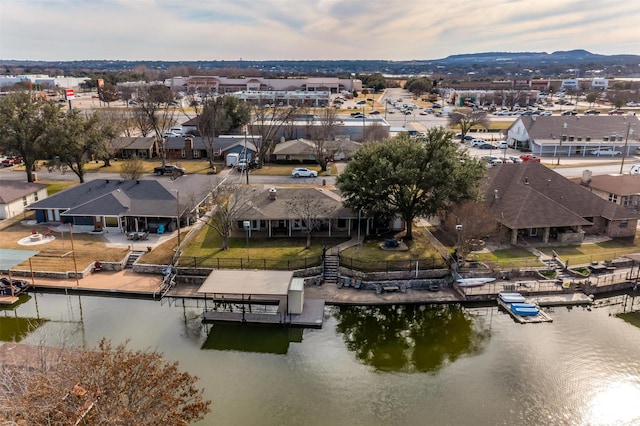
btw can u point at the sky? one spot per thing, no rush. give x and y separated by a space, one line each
193 30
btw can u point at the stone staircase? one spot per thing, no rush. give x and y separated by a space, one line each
330 268
133 256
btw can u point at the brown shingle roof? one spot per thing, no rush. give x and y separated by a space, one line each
614 184
13 190
530 195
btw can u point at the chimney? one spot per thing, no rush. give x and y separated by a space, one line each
586 178
273 194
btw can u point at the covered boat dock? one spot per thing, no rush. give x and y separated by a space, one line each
259 297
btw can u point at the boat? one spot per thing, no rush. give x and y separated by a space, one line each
511 297
12 287
473 282
524 309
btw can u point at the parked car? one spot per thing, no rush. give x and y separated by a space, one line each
569 112
487 145
477 142
516 160
494 161
302 172
436 106
591 112
529 157
361 102
466 137
169 169
606 151
503 145
358 115
635 169
546 113
374 112
11 161
616 112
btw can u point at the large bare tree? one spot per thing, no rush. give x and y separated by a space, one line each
321 130
231 202
157 113
266 122
467 118
310 212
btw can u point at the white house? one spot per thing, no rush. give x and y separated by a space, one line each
16 196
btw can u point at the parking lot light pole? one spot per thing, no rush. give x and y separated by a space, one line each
564 128
626 143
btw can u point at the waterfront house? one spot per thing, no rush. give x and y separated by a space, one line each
116 205
533 202
623 190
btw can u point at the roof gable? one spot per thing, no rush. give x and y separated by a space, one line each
13 190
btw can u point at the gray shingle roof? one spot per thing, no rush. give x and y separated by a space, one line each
596 127
263 207
12 190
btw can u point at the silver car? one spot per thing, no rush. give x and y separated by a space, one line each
302 172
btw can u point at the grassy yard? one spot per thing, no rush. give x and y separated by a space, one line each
205 250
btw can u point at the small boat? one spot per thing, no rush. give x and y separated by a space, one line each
524 309
473 282
511 297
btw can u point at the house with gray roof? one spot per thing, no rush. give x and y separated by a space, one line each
304 150
193 148
116 205
271 214
579 135
533 202
16 196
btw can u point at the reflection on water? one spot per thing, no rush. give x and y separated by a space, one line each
252 338
410 338
15 329
440 365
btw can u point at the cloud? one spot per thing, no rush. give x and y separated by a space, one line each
310 29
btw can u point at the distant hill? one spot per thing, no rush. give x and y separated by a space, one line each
572 63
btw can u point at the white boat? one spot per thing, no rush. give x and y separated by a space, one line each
511 297
473 282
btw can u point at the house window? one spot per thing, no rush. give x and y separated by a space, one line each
35 196
196 153
183 153
624 223
626 201
24 201
613 198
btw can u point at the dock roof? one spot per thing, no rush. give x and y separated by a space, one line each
256 283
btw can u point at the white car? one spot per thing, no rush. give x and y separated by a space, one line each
609 152
302 172
477 142
503 145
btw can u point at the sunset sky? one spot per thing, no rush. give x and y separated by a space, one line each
310 29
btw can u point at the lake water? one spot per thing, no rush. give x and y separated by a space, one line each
415 365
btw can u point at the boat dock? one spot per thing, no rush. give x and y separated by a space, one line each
540 317
312 315
564 299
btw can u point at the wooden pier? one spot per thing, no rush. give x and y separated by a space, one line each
540 317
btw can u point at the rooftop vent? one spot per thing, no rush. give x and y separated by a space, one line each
273 194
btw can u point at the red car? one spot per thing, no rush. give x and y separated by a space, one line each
529 157
11 161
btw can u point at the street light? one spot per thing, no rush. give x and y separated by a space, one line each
626 142
564 127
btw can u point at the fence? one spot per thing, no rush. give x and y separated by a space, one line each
391 265
244 263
